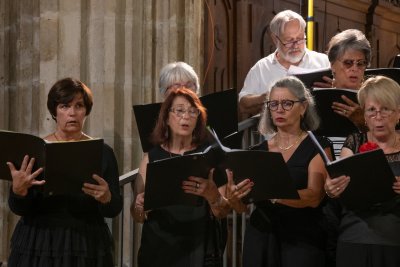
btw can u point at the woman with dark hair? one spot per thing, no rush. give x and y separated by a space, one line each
182 235
65 230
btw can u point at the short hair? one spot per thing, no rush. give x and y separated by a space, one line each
64 91
161 133
348 39
277 24
177 72
309 122
382 89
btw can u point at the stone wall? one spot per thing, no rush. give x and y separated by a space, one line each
117 47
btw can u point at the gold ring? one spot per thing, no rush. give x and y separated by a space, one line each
345 112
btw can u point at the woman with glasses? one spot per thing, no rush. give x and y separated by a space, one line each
350 54
288 232
182 235
372 237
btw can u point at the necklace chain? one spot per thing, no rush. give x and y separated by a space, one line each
289 146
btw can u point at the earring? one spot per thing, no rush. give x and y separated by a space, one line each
333 80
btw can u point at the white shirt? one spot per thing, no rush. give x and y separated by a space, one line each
268 70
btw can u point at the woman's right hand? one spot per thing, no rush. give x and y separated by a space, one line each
235 192
334 187
23 179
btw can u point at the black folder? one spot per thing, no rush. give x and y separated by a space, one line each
67 165
393 73
268 171
371 178
221 116
333 124
314 76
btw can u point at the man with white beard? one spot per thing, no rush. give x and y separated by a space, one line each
288 34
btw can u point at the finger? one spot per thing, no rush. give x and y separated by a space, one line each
24 163
349 101
92 186
36 173
30 165
36 182
98 179
327 79
229 176
211 175
11 166
322 84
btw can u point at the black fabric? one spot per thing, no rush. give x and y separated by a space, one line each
181 236
372 236
65 230
290 236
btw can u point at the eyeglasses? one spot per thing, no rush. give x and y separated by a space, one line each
286 104
293 43
189 85
180 112
348 63
373 112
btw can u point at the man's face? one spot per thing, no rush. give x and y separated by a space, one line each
291 43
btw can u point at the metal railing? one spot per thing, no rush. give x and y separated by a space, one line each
236 223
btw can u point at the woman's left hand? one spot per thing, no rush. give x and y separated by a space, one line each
100 192
396 185
235 192
202 187
350 110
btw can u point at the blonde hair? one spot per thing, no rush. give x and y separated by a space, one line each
381 89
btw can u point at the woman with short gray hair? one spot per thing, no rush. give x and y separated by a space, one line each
176 75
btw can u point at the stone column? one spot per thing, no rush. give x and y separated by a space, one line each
117 47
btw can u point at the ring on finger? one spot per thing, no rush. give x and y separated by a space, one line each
338 188
197 185
345 112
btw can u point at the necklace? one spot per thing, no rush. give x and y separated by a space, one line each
289 146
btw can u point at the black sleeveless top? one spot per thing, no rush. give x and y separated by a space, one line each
178 235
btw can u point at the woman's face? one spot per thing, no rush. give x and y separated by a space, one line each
182 117
380 119
285 108
349 69
71 117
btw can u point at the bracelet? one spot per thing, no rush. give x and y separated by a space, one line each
273 201
329 195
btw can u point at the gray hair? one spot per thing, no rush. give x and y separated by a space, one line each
309 122
177 72
348 39
277 24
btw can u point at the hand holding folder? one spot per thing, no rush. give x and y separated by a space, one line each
67 165
371 177
333 124
267 170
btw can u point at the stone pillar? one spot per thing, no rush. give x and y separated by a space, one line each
116 47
